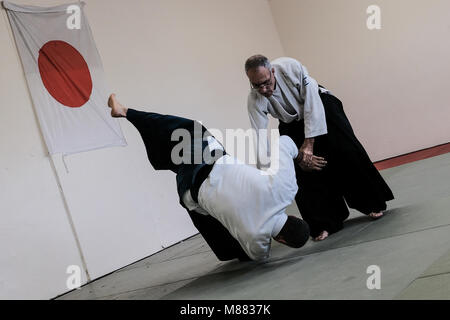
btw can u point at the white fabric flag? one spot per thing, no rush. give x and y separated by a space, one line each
65 77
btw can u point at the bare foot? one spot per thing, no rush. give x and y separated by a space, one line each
376 215
117 110
321 236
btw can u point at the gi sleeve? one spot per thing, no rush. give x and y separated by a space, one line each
257 248
257 112
313 113
286 143
284 178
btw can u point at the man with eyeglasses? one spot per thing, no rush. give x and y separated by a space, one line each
335 169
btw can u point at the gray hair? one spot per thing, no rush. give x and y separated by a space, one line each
256 61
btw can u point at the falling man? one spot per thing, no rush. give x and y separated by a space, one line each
236 208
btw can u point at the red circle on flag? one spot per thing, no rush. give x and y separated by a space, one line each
65 73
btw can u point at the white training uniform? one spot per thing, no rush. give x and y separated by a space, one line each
249 204
296 97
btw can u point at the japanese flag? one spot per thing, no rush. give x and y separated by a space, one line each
65 77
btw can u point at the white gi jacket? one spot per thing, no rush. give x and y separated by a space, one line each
251 205
299 100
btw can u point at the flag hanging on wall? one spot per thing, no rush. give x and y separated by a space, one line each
65 77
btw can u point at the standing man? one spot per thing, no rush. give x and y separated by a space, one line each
335 169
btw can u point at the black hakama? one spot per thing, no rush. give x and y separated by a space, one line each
156 132
349 177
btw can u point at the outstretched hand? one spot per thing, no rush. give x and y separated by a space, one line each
310 162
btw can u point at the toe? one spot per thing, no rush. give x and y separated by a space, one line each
376 215
322 236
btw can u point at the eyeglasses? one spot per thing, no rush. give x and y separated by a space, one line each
261 85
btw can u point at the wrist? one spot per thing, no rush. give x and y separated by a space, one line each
308 141
299 157
308 145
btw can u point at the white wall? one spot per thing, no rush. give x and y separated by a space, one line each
177 57
393 81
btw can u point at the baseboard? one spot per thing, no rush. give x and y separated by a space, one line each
413 156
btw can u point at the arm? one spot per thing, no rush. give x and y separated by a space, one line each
284 172
259 122
314 117
313 111
307 147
